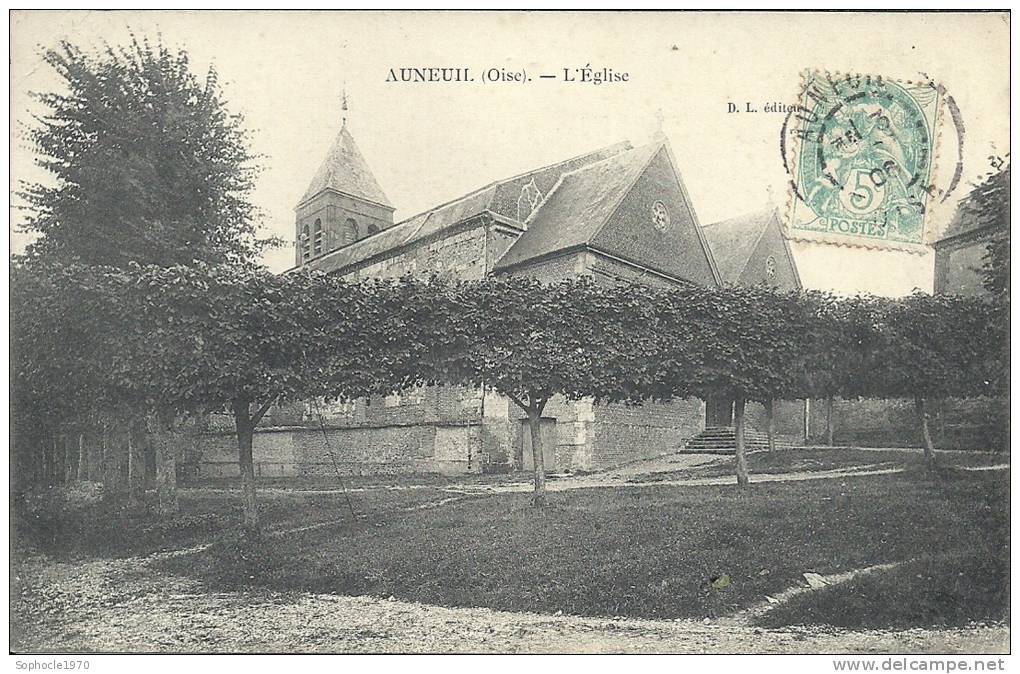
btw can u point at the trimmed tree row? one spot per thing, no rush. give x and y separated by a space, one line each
152 346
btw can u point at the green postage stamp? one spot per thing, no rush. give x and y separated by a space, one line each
862 152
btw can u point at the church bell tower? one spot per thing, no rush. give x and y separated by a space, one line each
343 203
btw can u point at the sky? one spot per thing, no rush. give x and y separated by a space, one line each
431 142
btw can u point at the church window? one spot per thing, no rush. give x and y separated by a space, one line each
350 232
770 269
372 229
660 216
305 243
318 236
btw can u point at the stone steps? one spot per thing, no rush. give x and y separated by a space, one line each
723 440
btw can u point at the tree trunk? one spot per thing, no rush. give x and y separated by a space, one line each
105 457
44 461
828 421
56 460
135 466
922 417
148 467
83 458
535 424
942 422
245 427
807 420
112 455
738 423
70 462
94 436
161 431
770 416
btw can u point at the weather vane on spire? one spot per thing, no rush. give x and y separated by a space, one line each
660 120
343 106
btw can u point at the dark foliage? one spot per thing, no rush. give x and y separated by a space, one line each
148 165
190 339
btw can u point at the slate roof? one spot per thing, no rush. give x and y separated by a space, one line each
345 170
499 198
581 202
732 241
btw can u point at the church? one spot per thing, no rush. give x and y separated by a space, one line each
619 213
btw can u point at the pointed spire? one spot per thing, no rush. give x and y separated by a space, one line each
345 170
343 106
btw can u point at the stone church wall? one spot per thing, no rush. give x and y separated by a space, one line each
597 436
461 255
625 433
607 269
368 450
553 269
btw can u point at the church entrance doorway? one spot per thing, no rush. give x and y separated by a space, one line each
718 412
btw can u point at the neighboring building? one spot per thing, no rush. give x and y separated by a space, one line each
751 249
959 255
619 214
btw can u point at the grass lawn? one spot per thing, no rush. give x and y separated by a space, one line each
110 529
654 551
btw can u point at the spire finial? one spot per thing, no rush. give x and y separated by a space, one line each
343 106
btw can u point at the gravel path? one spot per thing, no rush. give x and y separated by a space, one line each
122 605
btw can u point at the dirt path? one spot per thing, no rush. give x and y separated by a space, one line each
613 480
121 605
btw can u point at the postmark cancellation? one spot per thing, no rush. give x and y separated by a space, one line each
861 153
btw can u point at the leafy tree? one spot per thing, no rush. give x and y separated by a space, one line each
63 320
741 343
842 339
147 163
935 346
530 341
996 264
209 337
987 206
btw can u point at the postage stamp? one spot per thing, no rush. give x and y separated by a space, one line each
862 153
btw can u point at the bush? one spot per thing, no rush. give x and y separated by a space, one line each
81 519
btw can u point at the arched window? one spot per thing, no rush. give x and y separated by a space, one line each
372 229
304 243
317 238
350 232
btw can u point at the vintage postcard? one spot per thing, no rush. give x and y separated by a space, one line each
510 332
